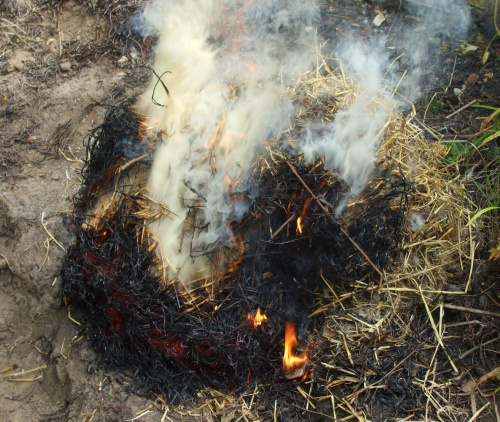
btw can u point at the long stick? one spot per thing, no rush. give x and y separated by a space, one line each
325 210
471 310
282 226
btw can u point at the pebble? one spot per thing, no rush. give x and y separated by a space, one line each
472 79
122 62
65 66
379 19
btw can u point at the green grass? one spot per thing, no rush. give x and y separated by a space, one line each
432 105
481 159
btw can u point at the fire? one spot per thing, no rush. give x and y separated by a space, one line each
258 319
300 225
294 365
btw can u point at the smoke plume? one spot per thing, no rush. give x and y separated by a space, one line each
230 64
385 83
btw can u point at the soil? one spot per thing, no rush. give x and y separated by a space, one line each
59 62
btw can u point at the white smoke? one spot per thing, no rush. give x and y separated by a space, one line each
348 144
230 63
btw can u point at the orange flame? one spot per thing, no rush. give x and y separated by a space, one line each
258 319
300 225
292 363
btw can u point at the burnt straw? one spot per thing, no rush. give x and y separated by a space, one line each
138 321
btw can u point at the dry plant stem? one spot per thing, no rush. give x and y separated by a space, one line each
493 373
29 371
129 163
427 129
468 352
25 379
466 106
325 210
282 226
9 368
322 415
7 262
476 415
471 310
436 332
50 234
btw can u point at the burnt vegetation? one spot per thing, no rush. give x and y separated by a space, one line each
137 322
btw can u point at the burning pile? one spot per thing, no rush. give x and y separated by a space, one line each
217 264
227 331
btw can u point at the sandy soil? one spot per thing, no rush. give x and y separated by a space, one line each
57 64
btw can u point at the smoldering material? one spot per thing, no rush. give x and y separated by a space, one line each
230 63
348 144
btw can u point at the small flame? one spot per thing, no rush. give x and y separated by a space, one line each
294 365
258 319
300 225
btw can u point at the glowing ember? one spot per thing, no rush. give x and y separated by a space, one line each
300 225
258 319
294 365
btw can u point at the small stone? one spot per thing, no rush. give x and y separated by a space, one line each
122 62
472 79
65 66
3 264
379 19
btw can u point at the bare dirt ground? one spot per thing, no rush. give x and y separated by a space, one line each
58 62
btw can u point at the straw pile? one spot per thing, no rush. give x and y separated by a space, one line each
376 340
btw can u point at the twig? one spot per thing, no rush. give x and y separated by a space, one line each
461 109
307 188
129 163
50 234
282 226
471 310
7 262
436 331
468 352
362 252
475 415
325 210
29 371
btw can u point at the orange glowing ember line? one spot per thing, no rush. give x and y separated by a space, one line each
258 319
290 360
300 225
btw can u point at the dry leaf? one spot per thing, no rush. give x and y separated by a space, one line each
328 332
467 48
469 386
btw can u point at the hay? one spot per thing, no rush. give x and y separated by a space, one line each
373 349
